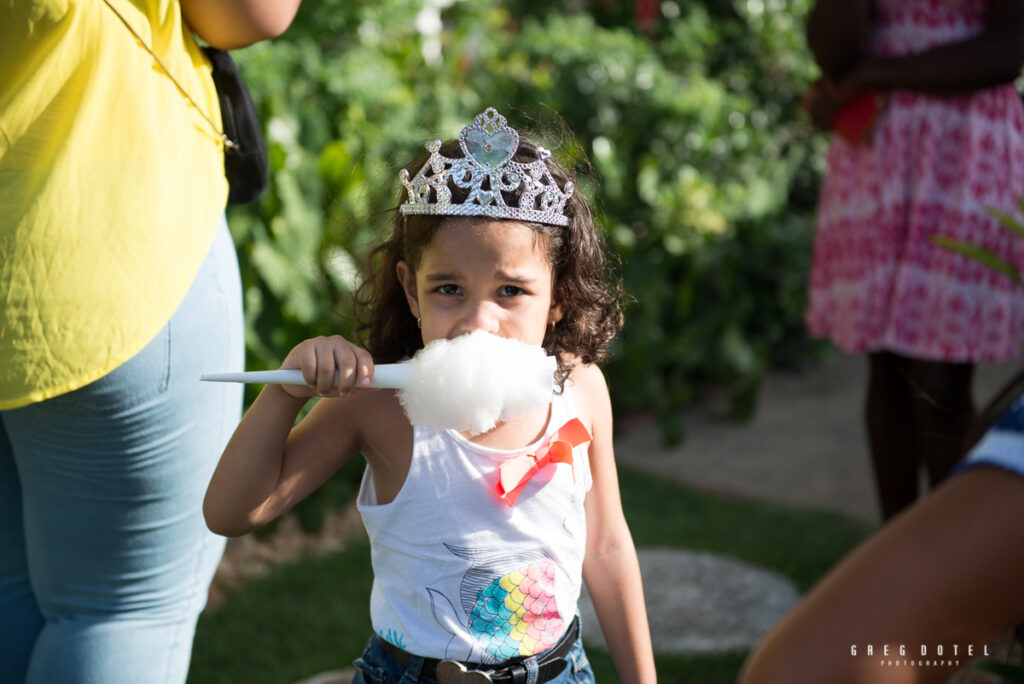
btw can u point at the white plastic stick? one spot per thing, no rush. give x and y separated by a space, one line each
390 375
467 383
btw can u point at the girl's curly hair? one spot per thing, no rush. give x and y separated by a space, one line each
584 284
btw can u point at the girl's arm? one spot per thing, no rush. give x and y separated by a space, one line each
992 58
267 467
836 33
610 568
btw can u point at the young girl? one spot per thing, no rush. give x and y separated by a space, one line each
947 149
491 237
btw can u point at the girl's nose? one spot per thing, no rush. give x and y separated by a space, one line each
481 316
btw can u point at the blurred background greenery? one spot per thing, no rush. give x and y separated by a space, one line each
682 117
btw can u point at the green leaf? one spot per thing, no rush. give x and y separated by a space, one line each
335 162
738 352
290 282
341 268
981 255
1007 220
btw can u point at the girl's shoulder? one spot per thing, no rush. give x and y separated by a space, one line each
590 395
587 377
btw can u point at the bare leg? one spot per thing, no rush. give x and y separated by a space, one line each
943 412
889 413
947 571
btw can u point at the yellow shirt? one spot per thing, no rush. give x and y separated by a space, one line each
111 186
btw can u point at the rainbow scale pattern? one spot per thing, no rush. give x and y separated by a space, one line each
515 615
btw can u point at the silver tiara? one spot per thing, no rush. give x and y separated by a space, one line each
488 145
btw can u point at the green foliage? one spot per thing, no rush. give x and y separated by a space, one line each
305 617
687 135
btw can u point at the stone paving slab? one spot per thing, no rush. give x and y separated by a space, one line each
699 602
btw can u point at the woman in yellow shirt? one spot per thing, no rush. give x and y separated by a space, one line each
118 287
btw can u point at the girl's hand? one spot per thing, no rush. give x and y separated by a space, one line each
825 98
321 359
822 102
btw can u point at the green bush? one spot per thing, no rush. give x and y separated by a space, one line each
687 134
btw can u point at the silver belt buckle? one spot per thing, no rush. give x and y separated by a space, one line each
454 672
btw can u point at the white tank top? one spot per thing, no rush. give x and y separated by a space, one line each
460 574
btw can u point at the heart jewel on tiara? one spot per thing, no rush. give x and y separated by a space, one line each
492 178
489 149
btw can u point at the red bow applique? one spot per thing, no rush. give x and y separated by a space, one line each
514 473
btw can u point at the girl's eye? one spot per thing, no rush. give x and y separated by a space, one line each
448 289
511 291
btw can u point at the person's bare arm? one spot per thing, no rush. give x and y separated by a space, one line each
232 24
836 33
991 58
267 466
611 569
945 572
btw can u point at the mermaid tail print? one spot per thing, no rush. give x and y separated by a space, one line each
509 615
517 614
444 614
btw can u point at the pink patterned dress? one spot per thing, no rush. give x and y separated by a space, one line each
932 166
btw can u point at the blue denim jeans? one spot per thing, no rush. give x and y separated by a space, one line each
105 559
377 666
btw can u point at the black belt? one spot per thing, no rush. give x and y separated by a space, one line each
550 664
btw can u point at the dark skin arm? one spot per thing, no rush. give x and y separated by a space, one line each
837 30
836 33
993 57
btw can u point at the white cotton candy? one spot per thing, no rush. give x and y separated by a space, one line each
471 382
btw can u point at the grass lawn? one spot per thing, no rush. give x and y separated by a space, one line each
312 615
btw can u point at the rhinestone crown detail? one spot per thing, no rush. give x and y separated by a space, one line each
488 145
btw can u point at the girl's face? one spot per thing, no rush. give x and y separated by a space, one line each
482 275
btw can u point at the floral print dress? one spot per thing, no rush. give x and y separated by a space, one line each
934 165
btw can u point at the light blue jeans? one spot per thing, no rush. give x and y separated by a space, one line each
105 560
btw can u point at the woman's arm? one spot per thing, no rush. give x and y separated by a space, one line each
611 569
836 33
268 467
945 572
232 24
993 57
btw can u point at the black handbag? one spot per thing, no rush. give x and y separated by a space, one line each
245 152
